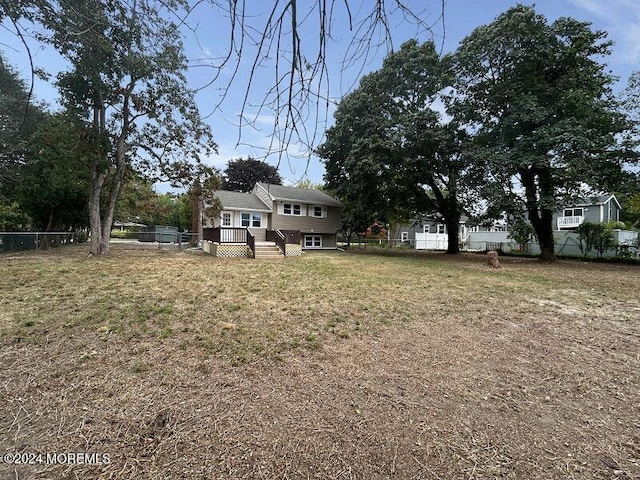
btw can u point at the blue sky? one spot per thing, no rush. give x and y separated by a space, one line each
208 39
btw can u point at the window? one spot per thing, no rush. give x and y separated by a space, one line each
318 211
573 212
404 237
226 219
426 229
312 241
256 220
245 219
292 209
441 228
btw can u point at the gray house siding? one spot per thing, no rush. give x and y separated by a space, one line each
236 218
613 211
260 234
598 212
306 223
270 202
328 240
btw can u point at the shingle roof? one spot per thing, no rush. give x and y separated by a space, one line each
303 195
596 200
243 201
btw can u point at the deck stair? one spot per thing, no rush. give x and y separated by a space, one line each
267 250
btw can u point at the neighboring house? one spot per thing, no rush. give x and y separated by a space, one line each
601 209
427 224
430 232
271 215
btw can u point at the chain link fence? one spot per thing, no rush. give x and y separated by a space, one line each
17 241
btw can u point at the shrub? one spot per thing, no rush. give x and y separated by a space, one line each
522 233
596 236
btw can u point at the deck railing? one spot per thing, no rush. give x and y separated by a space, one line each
570 222
280 241
225 234
290 236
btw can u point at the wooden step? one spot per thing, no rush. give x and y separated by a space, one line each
267 250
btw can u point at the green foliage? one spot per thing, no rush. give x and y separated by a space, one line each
542 107
389 156
43 168
630 203
242 174
521 232
127 83
613 225
598 236
309 185
19 118
587 233
12 218
139 203
54 184
131 234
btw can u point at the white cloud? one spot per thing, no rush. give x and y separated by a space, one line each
621 19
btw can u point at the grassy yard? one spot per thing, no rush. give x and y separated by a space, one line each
333 365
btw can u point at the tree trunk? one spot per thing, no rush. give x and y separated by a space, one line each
541 218
453 236
542 224
95 221
116 184
196 213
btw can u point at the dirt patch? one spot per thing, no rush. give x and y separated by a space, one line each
337 366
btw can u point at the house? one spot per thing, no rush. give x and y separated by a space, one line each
601 209
275 220
430 232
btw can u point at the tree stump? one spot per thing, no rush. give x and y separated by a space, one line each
493 259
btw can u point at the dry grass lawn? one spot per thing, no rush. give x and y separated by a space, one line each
332 365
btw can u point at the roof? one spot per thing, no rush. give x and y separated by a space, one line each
596 200
302 195
241 201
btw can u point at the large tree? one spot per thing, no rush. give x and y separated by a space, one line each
392 152
127 82
540 103
290 43
242 174
20 117
53 185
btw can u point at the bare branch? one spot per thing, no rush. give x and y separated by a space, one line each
299 96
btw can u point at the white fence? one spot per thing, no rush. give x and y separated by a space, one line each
432 241
478 240
566 242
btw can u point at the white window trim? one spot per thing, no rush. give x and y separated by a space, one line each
573 212
222 215
252 219
313 241
312 211
404 236
303 211
242 214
